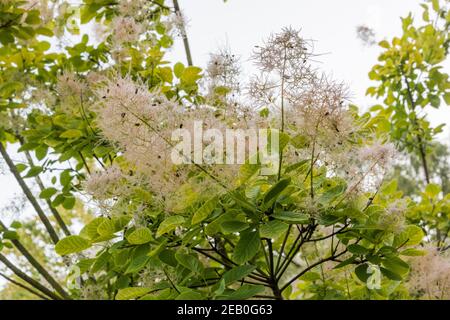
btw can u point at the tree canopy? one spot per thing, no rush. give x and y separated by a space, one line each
354 205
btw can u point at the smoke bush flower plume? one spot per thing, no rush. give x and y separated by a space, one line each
430 275
141 121
366 35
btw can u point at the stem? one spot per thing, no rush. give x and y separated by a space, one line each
23 286
28 279
51 231
310 267
420 141
282 111
40 268
294 250
183 34
311 192
53 210
282 246
84 162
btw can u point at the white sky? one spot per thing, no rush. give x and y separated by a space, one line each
241 24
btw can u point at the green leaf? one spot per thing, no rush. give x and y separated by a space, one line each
88 12
168 257
190 262
361 272
100 262
391 275
247 170
413 252
396 265
178 69
21 167
275 191
273 229
311 276
10 235
435 101
33 172
69 202
410 236
233 226
189 295
16 224
105 228
137 264
132 293
204 211
384 44
331 194
6 37
357 249
90 230
447 98
9 88
121 222
71 244
435 5
169 224
191 75
47 193
291 217
245 292
71 134
166 74
247 246
41 152
140 236
237 273
65 178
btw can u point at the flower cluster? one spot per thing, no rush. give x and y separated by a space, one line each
125 29
70 89
430 276
366 35
105 184
141 122
176 24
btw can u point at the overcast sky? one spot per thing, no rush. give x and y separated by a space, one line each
242 24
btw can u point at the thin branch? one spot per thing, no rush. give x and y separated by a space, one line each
23 286
48 226
35 284
310 267
282 246
421 145
183 34
53 210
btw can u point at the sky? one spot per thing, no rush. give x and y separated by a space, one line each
242 24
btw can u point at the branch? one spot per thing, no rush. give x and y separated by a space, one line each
23 286
38 266
28 279
419 137
184 34
51 231
55 212
341 230
332 257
